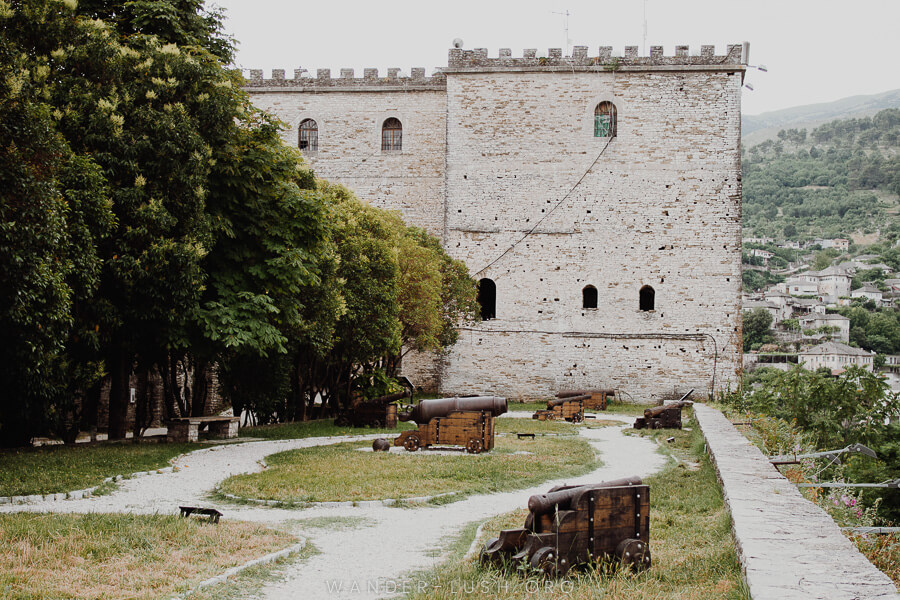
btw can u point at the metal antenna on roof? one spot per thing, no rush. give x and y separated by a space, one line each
565 28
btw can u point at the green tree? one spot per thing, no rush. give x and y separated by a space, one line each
756 328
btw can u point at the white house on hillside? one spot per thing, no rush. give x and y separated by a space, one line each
868 291
816 320
836 356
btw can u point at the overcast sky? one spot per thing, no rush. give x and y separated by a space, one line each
815 50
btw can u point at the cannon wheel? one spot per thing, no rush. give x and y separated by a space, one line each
489 553
342 421
634 554
411 443
547 559
474 446
578 418
376 424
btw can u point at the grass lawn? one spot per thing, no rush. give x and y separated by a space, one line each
62 557
513 425
690 540
318 428
342 472
56 469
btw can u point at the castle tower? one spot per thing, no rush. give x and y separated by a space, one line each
597 199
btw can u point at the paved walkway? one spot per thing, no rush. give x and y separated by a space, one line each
789 548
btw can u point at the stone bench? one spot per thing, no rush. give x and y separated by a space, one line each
187 429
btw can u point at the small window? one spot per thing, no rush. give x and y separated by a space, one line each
589 297
392 136
605 120
487 298
309 136
648 298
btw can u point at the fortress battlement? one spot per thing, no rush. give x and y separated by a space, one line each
477 60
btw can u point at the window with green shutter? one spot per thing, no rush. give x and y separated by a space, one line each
605 120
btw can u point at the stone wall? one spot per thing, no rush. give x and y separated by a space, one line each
503 164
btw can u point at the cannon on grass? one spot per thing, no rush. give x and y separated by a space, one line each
667 416
596 399
378 412
466 422
568 409
572 525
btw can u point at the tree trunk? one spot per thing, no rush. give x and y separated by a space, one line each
200 388
91 412
119 369
140 409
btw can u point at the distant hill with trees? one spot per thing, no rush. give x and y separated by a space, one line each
835 180
756 129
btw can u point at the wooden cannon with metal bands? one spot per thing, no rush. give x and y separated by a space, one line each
667 416
570 408
467 422
572 525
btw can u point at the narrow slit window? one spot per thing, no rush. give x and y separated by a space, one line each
309 136
487 298
392 135
605 120
589 297
647 298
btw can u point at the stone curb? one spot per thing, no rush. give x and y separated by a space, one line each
88 492
222 577
788 547
335 504
79 494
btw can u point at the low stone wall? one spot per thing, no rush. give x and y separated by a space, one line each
789 548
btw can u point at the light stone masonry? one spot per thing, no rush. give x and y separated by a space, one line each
500 161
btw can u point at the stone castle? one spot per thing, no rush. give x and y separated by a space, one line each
597 199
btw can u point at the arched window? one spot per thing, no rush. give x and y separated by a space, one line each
589 297
648 298
487 298
309 136
391 135
605 120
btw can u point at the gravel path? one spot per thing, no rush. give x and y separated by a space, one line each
362 562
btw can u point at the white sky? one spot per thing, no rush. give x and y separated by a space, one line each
815 50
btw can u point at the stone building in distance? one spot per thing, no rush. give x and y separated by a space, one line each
596 198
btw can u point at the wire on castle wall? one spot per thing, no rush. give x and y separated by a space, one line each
549 212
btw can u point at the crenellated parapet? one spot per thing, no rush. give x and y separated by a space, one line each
477 60
606 59
323 81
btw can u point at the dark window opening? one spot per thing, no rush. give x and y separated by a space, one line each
309 136
391 136
589 297
648 298
487 298
605 120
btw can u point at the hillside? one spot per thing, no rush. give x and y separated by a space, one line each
759 128
836 180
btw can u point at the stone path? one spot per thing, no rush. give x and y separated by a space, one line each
370 559
790 549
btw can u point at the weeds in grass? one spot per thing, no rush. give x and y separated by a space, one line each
56 557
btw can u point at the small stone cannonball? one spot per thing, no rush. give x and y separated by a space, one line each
381 445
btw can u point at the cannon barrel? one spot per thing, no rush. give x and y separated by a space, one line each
559 401
543 503
569 394
441 407
391 397
650 413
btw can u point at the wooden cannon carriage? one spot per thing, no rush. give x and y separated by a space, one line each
569 409
378 412
572 525
596 399
467 422
667 416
